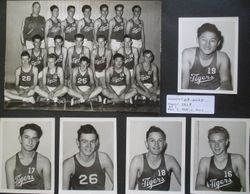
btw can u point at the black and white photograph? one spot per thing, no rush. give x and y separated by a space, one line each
208 55
219 155
83 55
27 155
155 156
88 156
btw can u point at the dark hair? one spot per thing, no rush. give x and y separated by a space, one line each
84 58
136 6
104 6
207 27
119 5
52 55
53 7
36 36
218 129
87 129
25 53
118 55
86 7
33 127
79 36
36 2
71 6
147 52
155 129
127 36
101 36
58 37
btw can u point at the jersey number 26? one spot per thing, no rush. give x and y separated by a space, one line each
85 180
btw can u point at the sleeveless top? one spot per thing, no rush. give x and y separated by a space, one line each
70 31
26 79
27 176
82 79
76 57
55 29
52 80
118 79
204 77
100 61
146 76
223 179
129 61
32 26
88 178
59 59
135 31
103 29
118 30
88 30
37 61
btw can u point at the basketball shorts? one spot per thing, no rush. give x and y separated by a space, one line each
115 45
137 43
118 89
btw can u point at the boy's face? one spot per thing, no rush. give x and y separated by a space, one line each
29 139
71 12
87 143
55 12
155 143
218 143
118 62
119 11
84 65
104 12
25 60
87 13
51 62
137 12
36 8
37 43
208 42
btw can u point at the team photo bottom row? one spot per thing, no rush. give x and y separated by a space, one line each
156 152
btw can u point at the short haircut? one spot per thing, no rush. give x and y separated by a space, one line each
84 7
104 6
53 7
36 2
152 54
118 55
101 36
207 27
119 5
84 58
33 127
58 37
136 6
36 36
218 129
127 36
155 129
79 36
25 53
71 7
88 129
52 56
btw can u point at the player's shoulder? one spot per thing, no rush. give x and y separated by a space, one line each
112 20
48 21
68 161
86 48
103 156
11 161
222 56
137 160
97 20
237 158
42 159
205 161
189 51
70 49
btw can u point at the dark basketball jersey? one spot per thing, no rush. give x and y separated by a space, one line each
135 31
27 176
88 178
118 30
103 29
100 61
55 29
204 77
26 79
76 57
82 79
129 61
88 30
118 79
154 179
37 61
52 79
224 179
146 77
59 59
33 26
70 31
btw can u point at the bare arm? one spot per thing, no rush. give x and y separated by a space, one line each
61 78
129 26
155 79
17 76
241 166
224 71
86 52
64 50
75 71
22 37
46 168
107 164
48 25
175 168
133 172
70 52
68 170
143 36
92 81
44 53
111 25
138 79
128 78
97 24
185 69
108 56
9 170
80 25
63 25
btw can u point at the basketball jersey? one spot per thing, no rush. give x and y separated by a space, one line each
100 61
88 178
76 57
129 61
204 77
154 179
88 30
52 80
118 79
37 61
26 79
103 29
70 31
118 30
224 179
32 26
27 176
135 31
82 79
55 29
146 77
59 58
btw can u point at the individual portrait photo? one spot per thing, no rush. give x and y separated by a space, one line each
87 156
208 55
78 55
219 155
27 155
155 155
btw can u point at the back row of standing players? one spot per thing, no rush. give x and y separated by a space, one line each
86 57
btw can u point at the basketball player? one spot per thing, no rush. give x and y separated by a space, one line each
32 25
135 28
69 27
223 171
205 67
53 81
28 169
118 82
83 84
52 27
25 81
101 25
86 170
86 27
152 170
117 29
147 77
100 60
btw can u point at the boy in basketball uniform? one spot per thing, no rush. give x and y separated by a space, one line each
86 170
28 169
25 81
223 171
86 27
152 170
52 27
205 67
